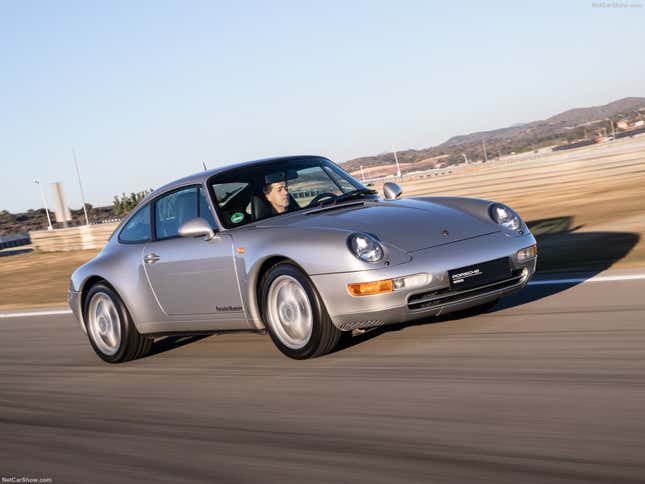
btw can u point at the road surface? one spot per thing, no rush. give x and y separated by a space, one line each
549 387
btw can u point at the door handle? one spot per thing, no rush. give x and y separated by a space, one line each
151 258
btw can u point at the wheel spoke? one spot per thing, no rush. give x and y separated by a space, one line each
289 312
104 325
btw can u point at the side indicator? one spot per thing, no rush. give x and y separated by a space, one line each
241 250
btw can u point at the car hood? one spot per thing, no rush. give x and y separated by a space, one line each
407 224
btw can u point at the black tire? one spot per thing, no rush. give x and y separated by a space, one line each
132 344
475 310
324 335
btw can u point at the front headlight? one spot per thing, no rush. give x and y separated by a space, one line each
505 217
365 247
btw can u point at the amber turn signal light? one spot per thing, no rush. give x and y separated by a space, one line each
366 288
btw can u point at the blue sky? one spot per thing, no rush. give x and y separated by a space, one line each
146 91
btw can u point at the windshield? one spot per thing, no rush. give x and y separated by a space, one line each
272 188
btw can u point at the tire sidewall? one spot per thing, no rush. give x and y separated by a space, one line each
123 321
317 309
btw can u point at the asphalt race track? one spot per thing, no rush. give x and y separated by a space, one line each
549 387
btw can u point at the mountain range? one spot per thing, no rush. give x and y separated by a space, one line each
566 127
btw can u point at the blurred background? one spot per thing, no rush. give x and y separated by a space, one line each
522 103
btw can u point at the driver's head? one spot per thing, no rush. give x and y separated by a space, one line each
278 195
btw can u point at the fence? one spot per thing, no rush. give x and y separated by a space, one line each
73 238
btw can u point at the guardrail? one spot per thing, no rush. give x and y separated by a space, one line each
83 237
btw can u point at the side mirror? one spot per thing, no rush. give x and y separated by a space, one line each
392 190
195 227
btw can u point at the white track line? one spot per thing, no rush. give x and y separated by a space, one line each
575 280
36 313
544 282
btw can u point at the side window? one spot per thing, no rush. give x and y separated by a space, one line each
173 210
205 210
233 199
138 227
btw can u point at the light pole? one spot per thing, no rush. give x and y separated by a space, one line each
396 159
78 174
42 196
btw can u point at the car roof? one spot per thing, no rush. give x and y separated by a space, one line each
200 177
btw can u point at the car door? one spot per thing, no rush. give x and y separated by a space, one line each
189 275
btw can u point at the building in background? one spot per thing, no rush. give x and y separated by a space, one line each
63 215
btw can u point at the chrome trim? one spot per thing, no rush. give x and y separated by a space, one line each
151 258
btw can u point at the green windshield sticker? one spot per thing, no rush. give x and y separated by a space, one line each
237 217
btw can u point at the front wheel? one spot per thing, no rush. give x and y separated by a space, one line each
109 327
294 313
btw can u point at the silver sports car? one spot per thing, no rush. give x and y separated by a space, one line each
297 247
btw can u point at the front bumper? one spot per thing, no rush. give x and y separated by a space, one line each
351 312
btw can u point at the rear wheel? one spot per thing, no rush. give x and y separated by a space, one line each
110 329
294 313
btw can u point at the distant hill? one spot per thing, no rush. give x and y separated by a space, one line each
566 127
611 110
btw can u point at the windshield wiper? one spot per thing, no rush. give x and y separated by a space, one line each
358 193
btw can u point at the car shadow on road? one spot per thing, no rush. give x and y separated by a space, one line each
561 251
168 343
562 248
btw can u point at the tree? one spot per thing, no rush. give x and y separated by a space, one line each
124 204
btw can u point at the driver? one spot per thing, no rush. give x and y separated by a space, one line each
277 194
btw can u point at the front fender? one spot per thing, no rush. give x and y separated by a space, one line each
315 251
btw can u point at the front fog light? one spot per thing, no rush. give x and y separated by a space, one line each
526 253
410 282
